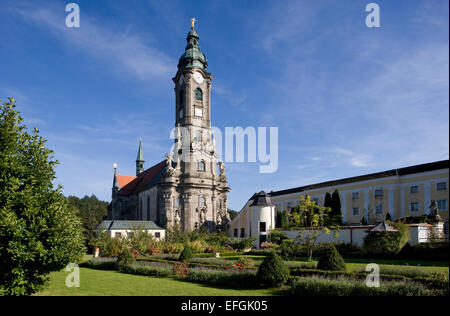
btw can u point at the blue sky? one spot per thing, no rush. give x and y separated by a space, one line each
347 99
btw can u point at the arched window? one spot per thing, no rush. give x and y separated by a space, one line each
201 166
198 94
202 201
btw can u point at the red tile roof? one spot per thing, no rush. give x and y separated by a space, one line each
123 180
139 183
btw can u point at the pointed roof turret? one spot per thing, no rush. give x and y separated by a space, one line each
140 159
140 155
193 56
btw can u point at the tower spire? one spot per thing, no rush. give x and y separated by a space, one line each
193 56
140 159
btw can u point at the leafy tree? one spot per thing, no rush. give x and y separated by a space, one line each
277 237
336 212
284 219
91 211
39 233
311 217
327 201
232 213
272 271
331 260
278 219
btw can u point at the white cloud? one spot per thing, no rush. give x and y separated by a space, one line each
119 50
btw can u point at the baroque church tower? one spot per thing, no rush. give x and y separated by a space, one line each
189 189
199 189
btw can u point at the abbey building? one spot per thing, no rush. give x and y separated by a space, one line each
189 188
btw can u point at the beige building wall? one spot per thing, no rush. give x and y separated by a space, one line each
402 195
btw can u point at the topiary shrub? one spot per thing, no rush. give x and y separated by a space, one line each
124 258
272 271
331 260
186 254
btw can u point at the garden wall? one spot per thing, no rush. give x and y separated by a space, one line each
355 234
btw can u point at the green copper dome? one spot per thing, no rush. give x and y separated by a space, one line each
193 56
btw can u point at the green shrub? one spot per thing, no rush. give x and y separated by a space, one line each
125 257
315 286
387 242
287 249
243 243
277 236
147 270
331 260
186 254
272 271
234 279
100 263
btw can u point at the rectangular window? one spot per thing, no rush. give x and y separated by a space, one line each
379 209
157 235
441 186
355 211
262 227
289 206
219 204
414 207
235 234
379 193
442 205
198 112
414 189
355 195
242 232
316 200
118 235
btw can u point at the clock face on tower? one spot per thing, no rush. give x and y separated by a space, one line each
198 77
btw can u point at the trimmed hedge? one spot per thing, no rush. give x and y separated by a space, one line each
100 263
435 281
331 260
316 286
245 279
272 271
147 270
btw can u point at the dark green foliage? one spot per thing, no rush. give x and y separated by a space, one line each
284 219
287 248
91 211
39 233
278 219
233 279
186 254
243 243
364 221
124 258
232 213
327 200
388 217
272 271
336 212
277 237
387 242
331 260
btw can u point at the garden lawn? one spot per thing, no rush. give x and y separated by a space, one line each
99 282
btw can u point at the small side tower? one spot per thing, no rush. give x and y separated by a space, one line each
140 160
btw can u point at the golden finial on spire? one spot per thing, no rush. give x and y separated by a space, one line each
193 20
